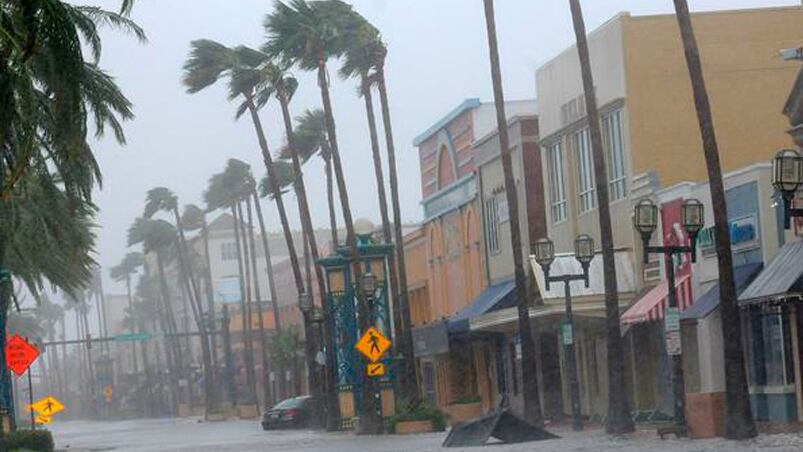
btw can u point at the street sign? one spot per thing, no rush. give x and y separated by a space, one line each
20 354
43 419
48 406
672 319
673 343
568 334
375 369
108 392
133 337
373 344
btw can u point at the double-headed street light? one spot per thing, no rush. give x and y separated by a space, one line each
645 220
544 252
787 178
306 306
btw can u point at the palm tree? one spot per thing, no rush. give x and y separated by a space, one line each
308 34
367 53
739 423
194 218
159 237
122 272
161 198
618 419
311 139
227 190
532 406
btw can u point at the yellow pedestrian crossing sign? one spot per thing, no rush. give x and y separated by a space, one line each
373 344
375 369
47 406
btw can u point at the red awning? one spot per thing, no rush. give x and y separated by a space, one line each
652 305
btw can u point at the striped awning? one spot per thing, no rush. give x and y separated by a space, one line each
652 305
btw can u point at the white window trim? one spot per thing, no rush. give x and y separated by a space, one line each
584 160
557 182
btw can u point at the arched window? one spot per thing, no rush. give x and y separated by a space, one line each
445 168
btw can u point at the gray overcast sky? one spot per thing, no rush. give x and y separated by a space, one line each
437 57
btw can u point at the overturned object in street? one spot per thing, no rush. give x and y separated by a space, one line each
501 424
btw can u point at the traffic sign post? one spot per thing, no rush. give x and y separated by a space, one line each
375 369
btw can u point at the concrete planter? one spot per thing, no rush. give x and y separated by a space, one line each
409 427
705 414
462 412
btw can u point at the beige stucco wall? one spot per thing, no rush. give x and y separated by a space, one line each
746 80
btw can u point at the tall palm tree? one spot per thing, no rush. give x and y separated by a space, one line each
308 34
122 272
367 53
248 337
739 423
207 63
194 218
618 420
159 237
311 139
162 199
532 406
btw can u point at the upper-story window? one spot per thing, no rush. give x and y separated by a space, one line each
615 154
557 188
586 189
228 251
492 224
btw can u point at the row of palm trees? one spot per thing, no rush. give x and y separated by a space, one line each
306 35
51 91
739 423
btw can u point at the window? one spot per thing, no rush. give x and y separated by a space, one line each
615 154
492 223
514 372
557 190
585 170
768 345
228 251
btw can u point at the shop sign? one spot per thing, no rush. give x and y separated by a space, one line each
743 232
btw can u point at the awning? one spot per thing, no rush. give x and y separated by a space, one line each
652 305
493 298
742 276
782 278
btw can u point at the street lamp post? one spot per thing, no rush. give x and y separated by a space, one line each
544 251
787 178
646 222
373 415
305 304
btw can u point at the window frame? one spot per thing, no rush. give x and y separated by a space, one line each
557 182
614 147
584 164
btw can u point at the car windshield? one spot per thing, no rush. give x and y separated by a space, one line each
482 221
289 403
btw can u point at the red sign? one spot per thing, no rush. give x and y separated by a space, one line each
20 355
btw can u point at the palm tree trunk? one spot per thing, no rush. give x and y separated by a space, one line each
309 232
330 198
532 405
143 350
408 376
274 301
197 312
89 363
248 349
370 422
263 337
618 420
210 298
739 423
173 352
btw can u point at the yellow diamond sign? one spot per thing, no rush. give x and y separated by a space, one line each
373 344
48 406
43 419
375 369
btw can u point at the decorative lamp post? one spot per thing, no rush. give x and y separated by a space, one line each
787 178
645 220
544 252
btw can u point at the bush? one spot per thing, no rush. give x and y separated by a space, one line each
33 440
421 413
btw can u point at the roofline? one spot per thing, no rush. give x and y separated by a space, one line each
511 121
466 105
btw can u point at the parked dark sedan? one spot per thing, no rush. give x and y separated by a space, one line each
289 413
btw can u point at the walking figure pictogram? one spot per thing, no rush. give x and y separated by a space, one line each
374 340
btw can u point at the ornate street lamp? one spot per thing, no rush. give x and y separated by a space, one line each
787 178
544 252
305 302
645 220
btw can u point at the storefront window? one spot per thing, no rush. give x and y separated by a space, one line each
768 345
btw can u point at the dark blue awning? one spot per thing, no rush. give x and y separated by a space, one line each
498 296
743 275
